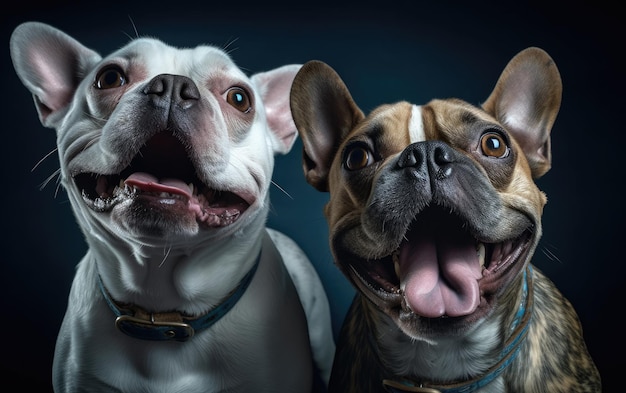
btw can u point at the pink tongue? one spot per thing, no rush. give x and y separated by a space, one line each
148 182
213 213
440 278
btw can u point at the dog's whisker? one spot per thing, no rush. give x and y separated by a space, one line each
58 187
94 139
49 179
43 159
132 22
167 253
552 256
130 37
282 189
226 47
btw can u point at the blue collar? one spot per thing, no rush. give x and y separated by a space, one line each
519 329
172 326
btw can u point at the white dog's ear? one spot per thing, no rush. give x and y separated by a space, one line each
51 65
274 87
324 112
526 100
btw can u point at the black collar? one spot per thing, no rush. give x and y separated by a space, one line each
171 326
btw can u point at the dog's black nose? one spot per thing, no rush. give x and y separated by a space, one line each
432 157
168 89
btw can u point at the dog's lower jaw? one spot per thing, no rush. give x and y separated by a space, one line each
476 358
386 293
158 213
158 219
372 349
442 359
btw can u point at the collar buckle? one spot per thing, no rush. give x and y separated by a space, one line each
172 326
154 330
397 387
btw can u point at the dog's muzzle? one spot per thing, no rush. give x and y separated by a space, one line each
160 166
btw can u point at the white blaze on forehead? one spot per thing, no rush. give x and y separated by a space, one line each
416 126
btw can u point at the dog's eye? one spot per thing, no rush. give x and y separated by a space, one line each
110 78
238 98
494 145
357 157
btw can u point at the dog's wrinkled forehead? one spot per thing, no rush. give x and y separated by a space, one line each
395 126
145 58
390 127
452 120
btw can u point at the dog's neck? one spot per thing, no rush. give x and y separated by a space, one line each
169 326
471 362
163 278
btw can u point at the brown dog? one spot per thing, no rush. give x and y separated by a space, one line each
434 217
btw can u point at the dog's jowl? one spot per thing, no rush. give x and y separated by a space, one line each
434 217
166 155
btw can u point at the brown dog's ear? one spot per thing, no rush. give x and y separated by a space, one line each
324 112
526 100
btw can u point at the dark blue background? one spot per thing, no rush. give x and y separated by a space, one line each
385 51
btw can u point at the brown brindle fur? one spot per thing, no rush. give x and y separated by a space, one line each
378 195
358 369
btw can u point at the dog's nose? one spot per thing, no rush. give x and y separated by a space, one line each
168 89
432 157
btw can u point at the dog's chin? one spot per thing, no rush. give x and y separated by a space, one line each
441 281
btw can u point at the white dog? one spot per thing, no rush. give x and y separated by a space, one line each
166 155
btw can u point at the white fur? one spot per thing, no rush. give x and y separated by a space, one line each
264 343
416 125
447 359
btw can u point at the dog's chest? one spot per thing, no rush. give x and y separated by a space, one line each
248 349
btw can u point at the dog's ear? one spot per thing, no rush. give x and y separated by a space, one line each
324 113
273 87
526 100
51 65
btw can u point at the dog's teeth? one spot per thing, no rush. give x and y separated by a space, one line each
121 184
480 250
129 190
191 188
396 263
99 204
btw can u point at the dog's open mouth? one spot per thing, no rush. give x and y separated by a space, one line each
162 172
441 269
